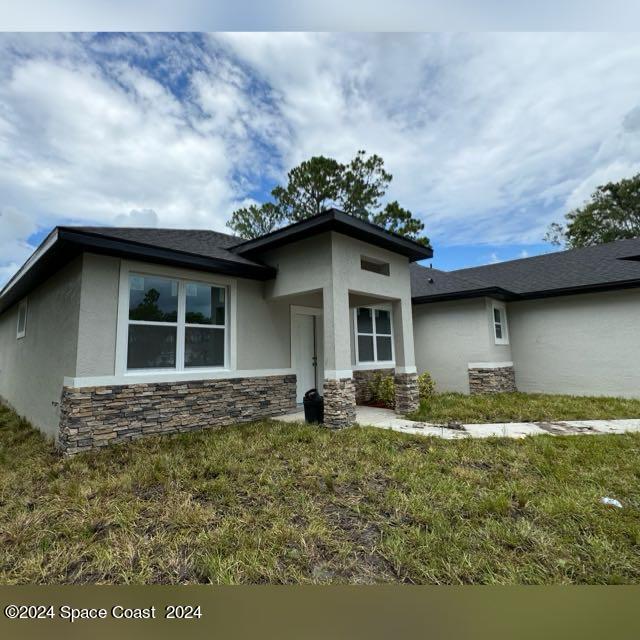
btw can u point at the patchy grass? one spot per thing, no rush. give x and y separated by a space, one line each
523 407
288 503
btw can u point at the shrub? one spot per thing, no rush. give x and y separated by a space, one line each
383 389
426 386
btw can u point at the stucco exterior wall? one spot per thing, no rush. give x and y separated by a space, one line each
98 315
585 344
263 333
450 335
32 369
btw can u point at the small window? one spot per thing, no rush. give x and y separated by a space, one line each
375 266
499 321
374 336
22 319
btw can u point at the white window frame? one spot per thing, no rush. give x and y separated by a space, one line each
183 277
375 363
503 323
22 305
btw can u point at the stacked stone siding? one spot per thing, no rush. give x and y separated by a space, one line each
94 417
498 380
339 403
362 379
407 396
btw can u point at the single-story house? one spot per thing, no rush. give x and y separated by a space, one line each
110 334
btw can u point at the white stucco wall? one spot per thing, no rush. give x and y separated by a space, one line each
32 368
585 344
450 335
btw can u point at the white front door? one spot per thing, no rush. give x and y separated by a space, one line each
307 352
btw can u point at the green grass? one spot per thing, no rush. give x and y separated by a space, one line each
288 503
523 407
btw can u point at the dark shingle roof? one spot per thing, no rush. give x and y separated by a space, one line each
211 244
602 266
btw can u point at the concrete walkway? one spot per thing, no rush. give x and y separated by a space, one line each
387 419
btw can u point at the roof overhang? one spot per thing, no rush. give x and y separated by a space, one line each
487 292
62 245
510 296
334 220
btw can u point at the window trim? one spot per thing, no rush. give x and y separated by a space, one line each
184 277
502 308
23 304
375 363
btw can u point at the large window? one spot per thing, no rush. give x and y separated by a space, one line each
175 324
499 320
374 335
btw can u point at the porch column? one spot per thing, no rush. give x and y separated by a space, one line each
406 377
338 389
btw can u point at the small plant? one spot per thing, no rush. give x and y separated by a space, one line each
383 389
426 385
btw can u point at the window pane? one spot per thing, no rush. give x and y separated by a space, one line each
383 344
205 304
498 331
496 315
151 347
383 322
203 347
22 318
365 348
365 322
153 299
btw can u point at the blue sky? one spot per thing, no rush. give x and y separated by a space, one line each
489 137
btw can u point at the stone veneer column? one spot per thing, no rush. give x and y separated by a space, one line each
339 403
407 396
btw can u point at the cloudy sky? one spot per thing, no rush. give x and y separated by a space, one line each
488 137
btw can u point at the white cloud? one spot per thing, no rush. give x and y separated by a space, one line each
489 137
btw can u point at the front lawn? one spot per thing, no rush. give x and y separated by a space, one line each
523 407
288 503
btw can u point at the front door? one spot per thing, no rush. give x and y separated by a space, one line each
307 352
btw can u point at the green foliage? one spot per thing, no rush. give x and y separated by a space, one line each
426 385
383 389
612 214
253 221
319 183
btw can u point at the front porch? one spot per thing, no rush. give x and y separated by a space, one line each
339 341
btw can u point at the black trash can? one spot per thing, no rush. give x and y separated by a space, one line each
313 406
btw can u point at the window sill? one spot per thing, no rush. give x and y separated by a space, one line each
369 366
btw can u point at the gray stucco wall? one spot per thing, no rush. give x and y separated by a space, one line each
450 335
32 368
263 335
98 315
586 344
264 340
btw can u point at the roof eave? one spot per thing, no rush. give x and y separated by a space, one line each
334 220
64 244
492 292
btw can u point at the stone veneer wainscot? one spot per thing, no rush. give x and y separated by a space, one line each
362 380
492 380
94 417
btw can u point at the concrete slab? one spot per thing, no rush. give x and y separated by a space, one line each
387 419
